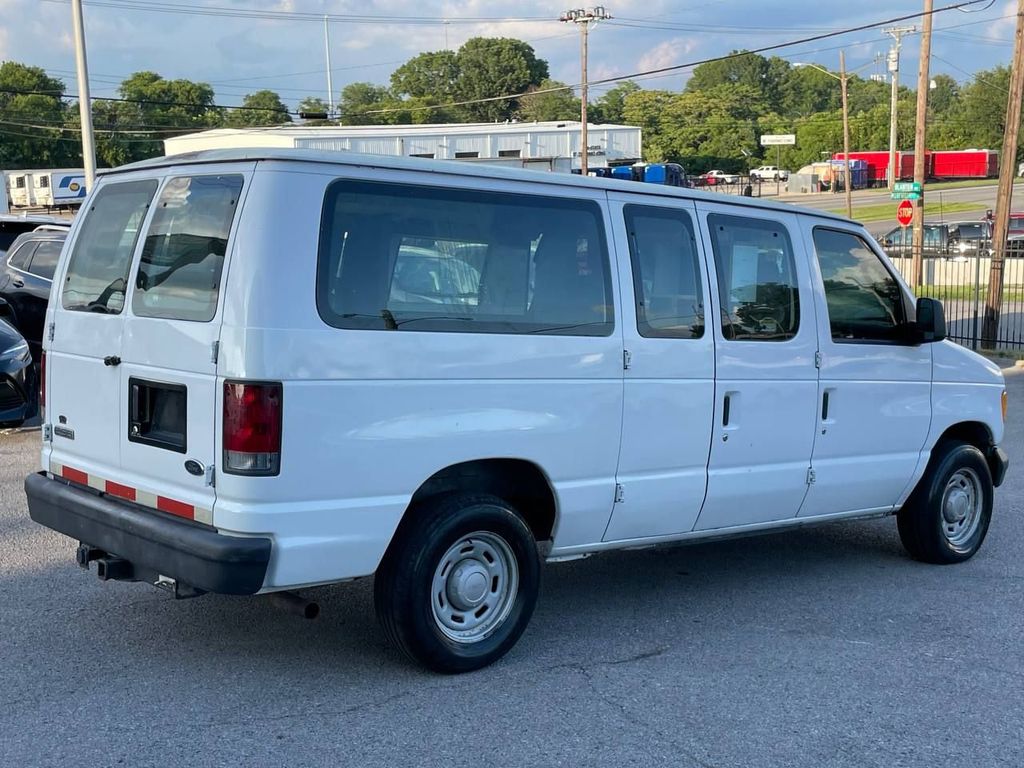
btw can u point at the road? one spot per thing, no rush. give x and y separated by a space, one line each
824 647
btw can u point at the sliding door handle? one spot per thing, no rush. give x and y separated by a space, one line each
725 411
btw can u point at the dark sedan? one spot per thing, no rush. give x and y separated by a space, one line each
17 380
25 278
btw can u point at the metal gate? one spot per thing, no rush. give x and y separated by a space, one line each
960 281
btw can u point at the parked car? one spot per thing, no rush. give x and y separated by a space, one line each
769 173
13 225
711 178
25 278
17 382
465 370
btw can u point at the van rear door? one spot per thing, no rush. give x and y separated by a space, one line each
158 439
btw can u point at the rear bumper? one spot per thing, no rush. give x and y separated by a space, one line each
150 541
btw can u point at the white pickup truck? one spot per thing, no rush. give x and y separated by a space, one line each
769 173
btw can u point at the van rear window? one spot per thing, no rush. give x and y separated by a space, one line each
183 253
402 257
97 273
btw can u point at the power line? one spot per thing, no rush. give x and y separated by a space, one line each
256 13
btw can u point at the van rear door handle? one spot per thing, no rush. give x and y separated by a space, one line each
111 360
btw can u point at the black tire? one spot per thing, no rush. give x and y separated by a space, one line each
924 530
403 587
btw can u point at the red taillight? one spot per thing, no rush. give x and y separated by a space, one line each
42 385
252 428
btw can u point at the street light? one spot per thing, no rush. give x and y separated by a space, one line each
843 78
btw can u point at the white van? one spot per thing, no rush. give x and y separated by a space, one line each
274 369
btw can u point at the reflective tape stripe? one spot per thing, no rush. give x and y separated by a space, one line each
123 491
74 475
175 507
128 493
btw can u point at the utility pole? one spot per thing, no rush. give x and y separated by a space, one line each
330 84
1007 161
584 17
84 100
896 33
847 180
919 144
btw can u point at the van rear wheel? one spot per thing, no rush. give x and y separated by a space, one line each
459 582
946 518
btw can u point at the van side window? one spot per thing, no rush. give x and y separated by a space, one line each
97 273
183 254
666 273
403 257
865 302
757 281
44 262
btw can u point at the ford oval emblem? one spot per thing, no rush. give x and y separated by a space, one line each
193 467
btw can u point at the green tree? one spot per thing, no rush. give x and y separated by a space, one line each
609 108
432 75
359 100
490 67
168 106
31 118
555 105
945 96
807 90
260 108
761 75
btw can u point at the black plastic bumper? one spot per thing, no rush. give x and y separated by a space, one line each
150 541
998 462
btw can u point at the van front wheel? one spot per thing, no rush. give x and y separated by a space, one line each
459 582
947 516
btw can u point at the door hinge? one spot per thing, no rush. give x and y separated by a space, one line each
620 493
627 359
214 351
811 476
211 476
47 433
49 332
817 359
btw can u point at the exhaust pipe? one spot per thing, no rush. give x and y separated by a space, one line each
296 604
114 569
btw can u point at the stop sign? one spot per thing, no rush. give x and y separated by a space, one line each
905 213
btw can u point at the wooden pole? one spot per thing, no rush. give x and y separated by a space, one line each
848 182
917 249
1007 163
584 155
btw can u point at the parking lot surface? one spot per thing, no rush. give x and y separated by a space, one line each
822 647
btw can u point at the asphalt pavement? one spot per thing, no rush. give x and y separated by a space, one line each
821 647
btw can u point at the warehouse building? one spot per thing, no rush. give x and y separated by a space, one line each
546 146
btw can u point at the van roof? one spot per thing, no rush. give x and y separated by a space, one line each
450 167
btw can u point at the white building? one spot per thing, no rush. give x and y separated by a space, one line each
549 145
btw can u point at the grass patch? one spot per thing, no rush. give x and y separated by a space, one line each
887 211
966 292
965 184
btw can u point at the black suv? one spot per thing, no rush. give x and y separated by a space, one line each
25 277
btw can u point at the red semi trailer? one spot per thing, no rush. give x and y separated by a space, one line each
938 164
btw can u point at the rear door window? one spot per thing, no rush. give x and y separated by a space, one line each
183 254
44 261
97 273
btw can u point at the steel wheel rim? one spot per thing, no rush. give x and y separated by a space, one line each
474 587
962 502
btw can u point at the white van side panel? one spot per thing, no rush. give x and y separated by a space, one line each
370 415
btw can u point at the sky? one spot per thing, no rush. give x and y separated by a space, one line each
275 48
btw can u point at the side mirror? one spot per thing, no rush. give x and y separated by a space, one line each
930 325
